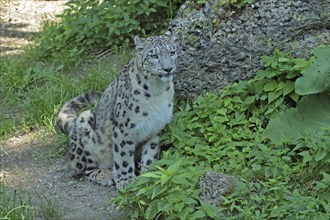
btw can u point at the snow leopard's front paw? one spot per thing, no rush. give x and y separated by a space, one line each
123 182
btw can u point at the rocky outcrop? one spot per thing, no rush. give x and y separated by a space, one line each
221 45
213 186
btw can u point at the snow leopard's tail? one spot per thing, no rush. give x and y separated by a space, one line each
71 109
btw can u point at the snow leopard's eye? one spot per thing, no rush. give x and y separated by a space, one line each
153 56
172 53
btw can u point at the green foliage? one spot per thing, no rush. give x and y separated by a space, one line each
14 206
317 77
310 117
36 90
100 24
168 193
48 208
224 133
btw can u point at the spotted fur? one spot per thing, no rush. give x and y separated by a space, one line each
126 122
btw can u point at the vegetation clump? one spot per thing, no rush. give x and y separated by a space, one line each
238 132
96 25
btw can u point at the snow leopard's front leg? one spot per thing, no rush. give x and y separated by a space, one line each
123 154
150 153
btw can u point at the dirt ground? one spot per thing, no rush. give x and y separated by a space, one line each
25 162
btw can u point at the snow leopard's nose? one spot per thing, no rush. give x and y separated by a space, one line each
168 70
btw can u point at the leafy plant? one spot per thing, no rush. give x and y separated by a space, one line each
98 24
224 133
309 118
168 193
307 126
317 77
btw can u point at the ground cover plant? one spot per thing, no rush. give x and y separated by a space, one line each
238 132
100 24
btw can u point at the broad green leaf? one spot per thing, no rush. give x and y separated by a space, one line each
188 200
273 96
311 115
164 179
152 174
320 155
249 100
184 213
219 119
306 156
141 191
317 76
164 205
173 168
199 214
180 180
157 190
288 88
152 210
267 60
270 86
294 97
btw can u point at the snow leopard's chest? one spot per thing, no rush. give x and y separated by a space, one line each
158 115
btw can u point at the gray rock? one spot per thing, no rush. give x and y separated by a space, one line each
220 45
213 186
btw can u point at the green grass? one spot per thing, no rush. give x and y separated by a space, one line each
16 205
32 92
13 205
48 208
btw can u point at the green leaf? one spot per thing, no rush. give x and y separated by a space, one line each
157 190
199 214
317 76
267 60
249 100
219 119
152 210
152 175
288 88
273 96
311 115
306 156
320 155
164 179
180 180
283 59
270 86
173 169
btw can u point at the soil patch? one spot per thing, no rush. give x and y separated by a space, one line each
26 164
20 21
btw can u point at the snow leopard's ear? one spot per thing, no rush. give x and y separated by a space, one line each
139 44
171 35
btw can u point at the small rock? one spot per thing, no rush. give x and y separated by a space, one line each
213 186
